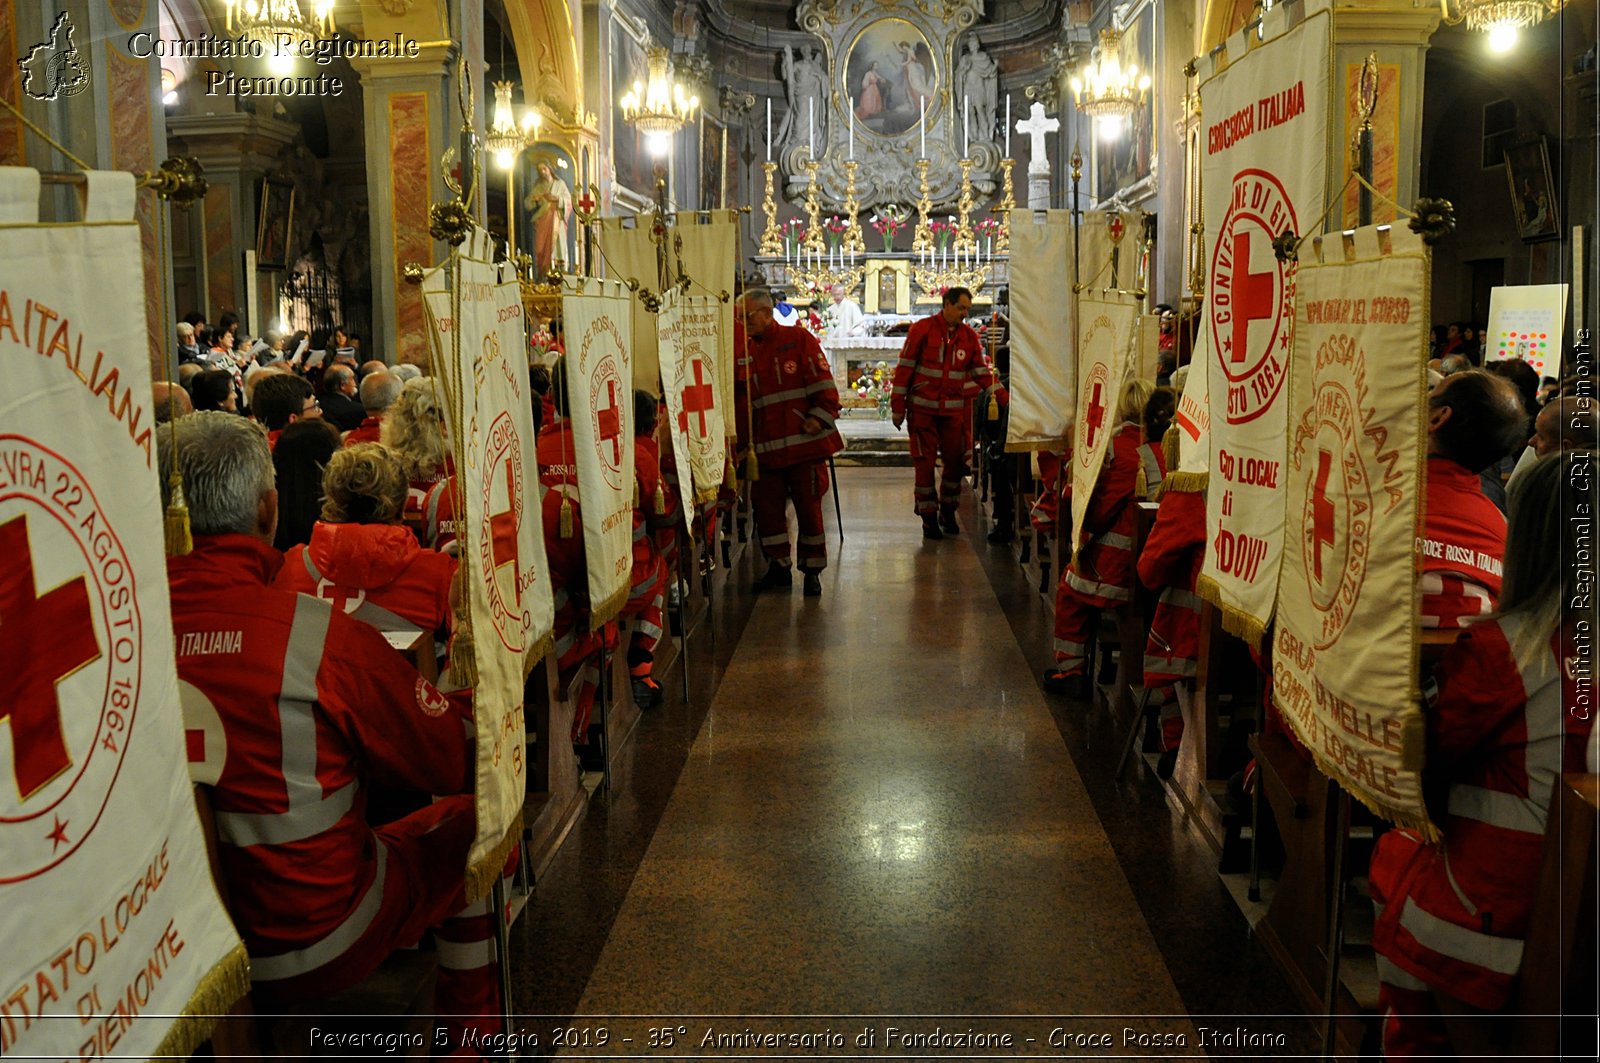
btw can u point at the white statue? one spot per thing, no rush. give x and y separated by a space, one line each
805 79
978 83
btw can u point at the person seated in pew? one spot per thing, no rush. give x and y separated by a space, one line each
291 737
576 646
415 431
1474 419
1102 571
1569 422
1157 417
362 558
379 392
1169 563
655 507
1452 916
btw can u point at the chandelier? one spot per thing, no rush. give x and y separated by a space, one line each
282 25
1501 19
660 107
505 136
1106 92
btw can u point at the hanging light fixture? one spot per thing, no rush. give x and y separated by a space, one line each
293 24
504 138
660 107
1500 19
1106 91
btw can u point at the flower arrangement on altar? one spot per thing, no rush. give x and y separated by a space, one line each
985 231
887 222
943 232
876 384
794 234
833 231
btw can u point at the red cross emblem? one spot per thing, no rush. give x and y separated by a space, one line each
1258 209
43 640
1115 227
1254 298
344 599
1321 512
1097 414
698 398
609 422
503 530
499 555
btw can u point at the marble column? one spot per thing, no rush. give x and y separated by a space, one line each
411 117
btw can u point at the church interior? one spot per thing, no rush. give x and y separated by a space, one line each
1040 757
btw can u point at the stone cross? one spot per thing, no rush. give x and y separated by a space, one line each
1037 126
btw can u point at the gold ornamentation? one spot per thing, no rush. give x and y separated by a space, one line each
964 240
851 241
813 242
449 222
771 236
1007 204
922 235
180 180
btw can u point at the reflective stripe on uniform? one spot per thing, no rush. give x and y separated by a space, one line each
1181 667
464 955
333 944
1114 540
763 401
275 828
1497 954
783 443
1110 592
1179 598
1152 467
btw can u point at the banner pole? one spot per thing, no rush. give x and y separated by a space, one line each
502 943
838 509
1330 985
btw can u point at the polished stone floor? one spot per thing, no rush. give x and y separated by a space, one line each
869 807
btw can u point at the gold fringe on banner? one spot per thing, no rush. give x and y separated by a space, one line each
483 872
217 992
1401 817
1029 446
606 611
536 653
1235 621
1188 482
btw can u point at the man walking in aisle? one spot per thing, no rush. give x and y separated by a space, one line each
942 369
794 404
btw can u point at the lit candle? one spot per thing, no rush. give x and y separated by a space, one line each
850 121
1008 125
769 124
922 126
811 126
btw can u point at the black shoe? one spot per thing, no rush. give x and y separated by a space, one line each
813 585
778 577
948 525
647 692
930 529
1073 685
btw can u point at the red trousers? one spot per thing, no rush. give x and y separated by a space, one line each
1075 618
805 484
422 888
1413 1027
647 600
577 657
949 440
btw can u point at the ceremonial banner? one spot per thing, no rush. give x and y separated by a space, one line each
1110 245
1044 378
596 317
710 250
476 327
1191 421
1265 145
1526 322
1147 348
1344 665
115 941
1107 324
629 252
687 327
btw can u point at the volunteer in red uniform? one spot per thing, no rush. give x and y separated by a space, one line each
794 404
379 391
414 429
577 648
1170 562
361 558
942 369
1504 723
1101 575
293 710
655 507
1475 418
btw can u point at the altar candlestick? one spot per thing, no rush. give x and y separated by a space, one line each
1008 126
922 126
769 124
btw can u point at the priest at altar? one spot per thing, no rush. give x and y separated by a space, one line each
845 319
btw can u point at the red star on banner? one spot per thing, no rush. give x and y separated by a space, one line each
58 835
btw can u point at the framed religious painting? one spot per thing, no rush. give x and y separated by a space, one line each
634 167
892 75
273 223
713 165
1533 193
1124 157
545 226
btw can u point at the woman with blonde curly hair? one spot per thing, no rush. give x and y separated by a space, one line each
414 430
361 557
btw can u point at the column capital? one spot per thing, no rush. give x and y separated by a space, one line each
433 60
1385 21
235 141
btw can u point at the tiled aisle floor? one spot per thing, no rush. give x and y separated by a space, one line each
876 814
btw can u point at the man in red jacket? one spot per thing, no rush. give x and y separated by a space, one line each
655 508
1170 562
1475 418
942 369
290 736
794 404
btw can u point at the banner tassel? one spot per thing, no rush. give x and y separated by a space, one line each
175 530
566 518
660 505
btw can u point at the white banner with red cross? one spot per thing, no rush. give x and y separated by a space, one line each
476 326
687 327
708 246
1345 648
597 322
115 940
1265 143
1108 324
1044 378
1191 419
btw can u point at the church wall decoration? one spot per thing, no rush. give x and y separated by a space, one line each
1345 656
924 64
1264 172
1123 165
634 169
274 222
713 164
